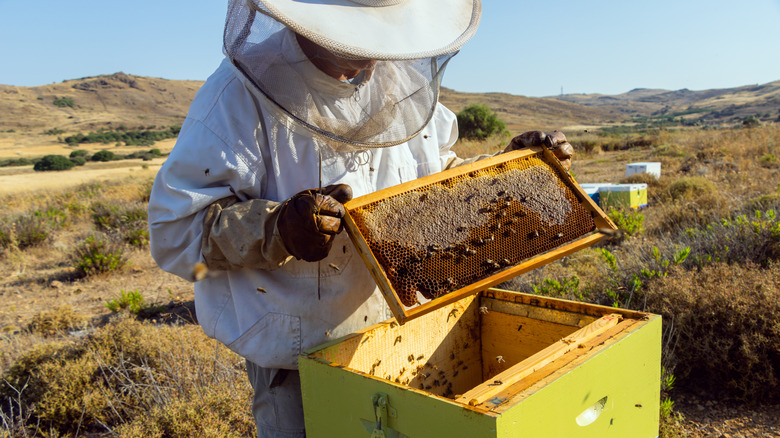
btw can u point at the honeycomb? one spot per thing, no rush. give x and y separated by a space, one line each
443 236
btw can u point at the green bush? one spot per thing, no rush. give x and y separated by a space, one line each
134 303
78 161
629 223
62 102
478 122
13 162
104 156
53 162
769 161
138 137
98 255
79 153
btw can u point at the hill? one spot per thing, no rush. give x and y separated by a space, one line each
109 101
717 106
96 102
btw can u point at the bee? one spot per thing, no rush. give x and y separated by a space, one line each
200 271
500 359
261 290
483 309
336 268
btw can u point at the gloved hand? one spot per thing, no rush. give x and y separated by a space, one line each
309 221
555 141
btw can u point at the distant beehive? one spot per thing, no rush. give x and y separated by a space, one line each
446 232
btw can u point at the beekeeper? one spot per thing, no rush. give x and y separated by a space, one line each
316 102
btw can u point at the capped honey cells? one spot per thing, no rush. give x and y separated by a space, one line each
444 236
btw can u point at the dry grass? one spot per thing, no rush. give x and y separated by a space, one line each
128 378
722 327
137 378
713 213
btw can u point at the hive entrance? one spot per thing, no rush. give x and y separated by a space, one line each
438 235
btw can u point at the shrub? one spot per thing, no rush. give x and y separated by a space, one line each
138 137
104 156
585 146
79 153
31 230
134 303
691 188
52 321
15 162
750 122
78 161
629 223
479 122
98 255
7 234
723 326
769 161
738 239
127 219
62 102
53 162
158 381
691 201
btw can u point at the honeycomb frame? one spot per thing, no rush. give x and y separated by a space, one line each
513 213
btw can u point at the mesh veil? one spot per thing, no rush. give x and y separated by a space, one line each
380 107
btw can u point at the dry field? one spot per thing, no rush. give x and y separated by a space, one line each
97 341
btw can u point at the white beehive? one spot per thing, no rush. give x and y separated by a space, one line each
653 168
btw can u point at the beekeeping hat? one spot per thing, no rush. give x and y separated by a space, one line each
387 103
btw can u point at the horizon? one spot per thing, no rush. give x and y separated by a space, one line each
598 48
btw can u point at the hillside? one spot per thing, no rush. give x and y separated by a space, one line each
717 106
96 102
120 99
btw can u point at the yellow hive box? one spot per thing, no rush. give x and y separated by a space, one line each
495 364
623 195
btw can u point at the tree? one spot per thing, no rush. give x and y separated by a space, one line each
478 122
53 162
103 156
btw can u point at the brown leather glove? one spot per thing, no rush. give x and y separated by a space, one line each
555 141
309 220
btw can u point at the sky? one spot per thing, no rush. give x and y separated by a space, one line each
527 48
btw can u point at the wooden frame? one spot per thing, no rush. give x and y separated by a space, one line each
603 224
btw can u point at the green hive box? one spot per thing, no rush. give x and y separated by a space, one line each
623 195
495 364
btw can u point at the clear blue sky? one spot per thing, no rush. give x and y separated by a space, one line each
528 48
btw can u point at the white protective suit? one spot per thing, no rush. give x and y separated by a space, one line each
233 144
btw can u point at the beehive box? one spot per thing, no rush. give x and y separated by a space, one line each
495 364
652 168
592 190
623 195
434 240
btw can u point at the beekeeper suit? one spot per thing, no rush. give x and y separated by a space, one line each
316 102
